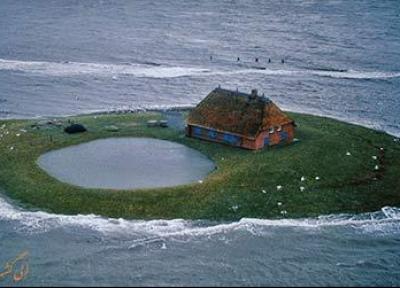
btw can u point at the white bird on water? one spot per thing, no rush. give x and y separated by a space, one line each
279 187
348 153
303 178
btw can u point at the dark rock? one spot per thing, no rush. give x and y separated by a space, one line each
164 123
75 128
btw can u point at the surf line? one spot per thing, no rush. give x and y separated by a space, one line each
143 70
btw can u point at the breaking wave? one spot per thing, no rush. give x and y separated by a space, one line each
148 70
345 74
385 221
156 70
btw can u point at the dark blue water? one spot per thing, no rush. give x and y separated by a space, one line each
341 58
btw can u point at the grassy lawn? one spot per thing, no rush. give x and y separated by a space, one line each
244 184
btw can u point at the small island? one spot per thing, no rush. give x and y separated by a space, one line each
331 167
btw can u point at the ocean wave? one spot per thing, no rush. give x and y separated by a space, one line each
345 74
149 70
387 220
155 70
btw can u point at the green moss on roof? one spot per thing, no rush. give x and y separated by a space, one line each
236 112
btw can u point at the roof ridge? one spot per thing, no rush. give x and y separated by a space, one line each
236 112
239 93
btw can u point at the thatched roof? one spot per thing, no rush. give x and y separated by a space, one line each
238 113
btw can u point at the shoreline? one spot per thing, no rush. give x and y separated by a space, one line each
185 108
243 186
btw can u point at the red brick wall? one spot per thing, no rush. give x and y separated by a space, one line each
289 128
249 143
274 138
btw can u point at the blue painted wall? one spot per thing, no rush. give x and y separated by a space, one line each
213 135
232 139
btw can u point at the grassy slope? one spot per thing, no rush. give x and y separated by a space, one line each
234 190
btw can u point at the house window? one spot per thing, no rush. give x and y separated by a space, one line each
283 136
197 131
271 130
212 134
231 139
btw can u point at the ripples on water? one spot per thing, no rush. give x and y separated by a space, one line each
341 60
90 249
131 55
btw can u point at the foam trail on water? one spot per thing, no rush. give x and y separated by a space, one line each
350 74
78 68
152 71
387 220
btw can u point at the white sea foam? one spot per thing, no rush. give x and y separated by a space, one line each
387 221
151 71
350 74
78 68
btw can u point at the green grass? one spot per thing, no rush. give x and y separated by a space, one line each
234 190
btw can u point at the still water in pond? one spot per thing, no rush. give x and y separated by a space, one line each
127 163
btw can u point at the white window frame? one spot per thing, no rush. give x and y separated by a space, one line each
271 130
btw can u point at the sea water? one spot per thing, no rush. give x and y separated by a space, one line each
341 59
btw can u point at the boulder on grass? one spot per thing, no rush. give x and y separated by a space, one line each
111 128
75 128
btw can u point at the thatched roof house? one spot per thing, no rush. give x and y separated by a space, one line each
239 119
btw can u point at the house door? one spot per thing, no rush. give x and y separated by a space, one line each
283 135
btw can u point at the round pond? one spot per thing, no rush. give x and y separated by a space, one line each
126 163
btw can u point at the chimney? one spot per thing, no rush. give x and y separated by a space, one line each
253 94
